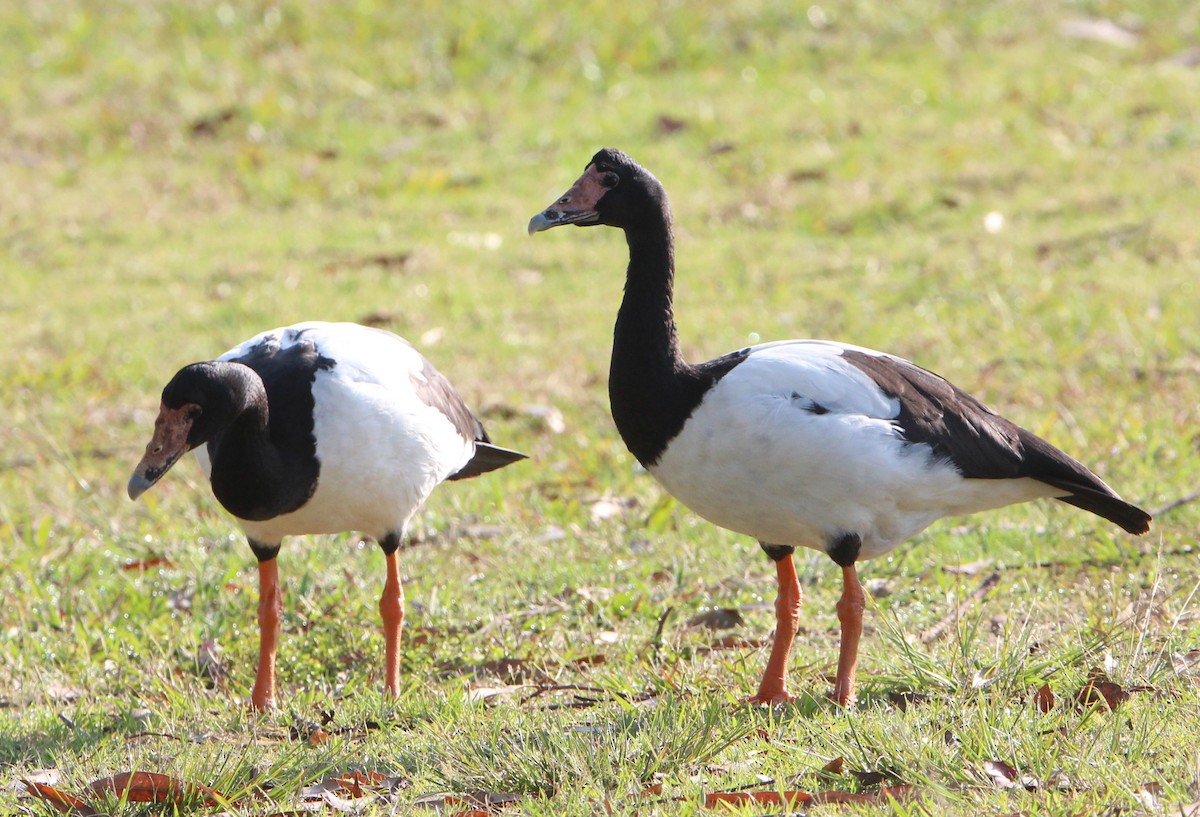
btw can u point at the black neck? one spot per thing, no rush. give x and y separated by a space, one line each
252 477
651 388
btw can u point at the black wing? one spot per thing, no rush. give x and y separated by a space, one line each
983 445
435 390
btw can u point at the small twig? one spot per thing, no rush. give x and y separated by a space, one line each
656 641
935 632
1170 506
139 735
544 688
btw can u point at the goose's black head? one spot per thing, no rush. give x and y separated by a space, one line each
200 401
614 190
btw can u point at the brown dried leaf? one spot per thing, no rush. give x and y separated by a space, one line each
1007 777
903 700
352 784
1100 689
147 563
835 766
670 124
718 618
1149 795
1185 662
1044 698
61 800
732 641
868 778
791 799
151 787
884 795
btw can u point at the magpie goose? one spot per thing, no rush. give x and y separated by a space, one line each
802 443
319 428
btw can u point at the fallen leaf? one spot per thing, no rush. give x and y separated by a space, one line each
1185 662
1044 698
1150 796
1100 689
835 766
770 798
903 700
354 784
868 778
65 803
718 618
594 660
150 787
147 563
732 641
485 803
1007 777
670 124
883 795
209 125
47 777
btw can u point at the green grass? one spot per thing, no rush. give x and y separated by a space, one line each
179 176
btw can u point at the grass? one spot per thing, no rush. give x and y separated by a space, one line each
179 176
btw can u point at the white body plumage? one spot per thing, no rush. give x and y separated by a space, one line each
816 439
381 448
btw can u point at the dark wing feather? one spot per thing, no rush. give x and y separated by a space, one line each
984 445
435 390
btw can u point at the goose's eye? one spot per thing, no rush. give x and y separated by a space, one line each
609 179
193 412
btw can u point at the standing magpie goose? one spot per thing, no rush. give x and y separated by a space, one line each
802 443
319 428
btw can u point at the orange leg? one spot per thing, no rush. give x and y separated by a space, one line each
773 689
850 613
270 607
391 609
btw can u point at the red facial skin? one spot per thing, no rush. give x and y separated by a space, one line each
169 443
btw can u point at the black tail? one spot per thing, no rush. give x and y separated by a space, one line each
1081 487
487 457
1112 508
